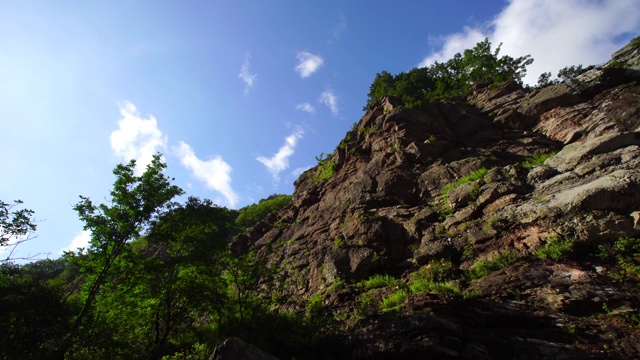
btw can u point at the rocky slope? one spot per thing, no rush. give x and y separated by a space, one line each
459 187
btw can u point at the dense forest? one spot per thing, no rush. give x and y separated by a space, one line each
157 280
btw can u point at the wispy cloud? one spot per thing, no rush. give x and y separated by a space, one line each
214 173
331 100
555 33
298 171
280 161
246 76
339 29
306 107
79 241
136 138
308 63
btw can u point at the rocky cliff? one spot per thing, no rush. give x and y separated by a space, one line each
521 204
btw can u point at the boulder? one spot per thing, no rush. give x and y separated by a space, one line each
234 348
573 154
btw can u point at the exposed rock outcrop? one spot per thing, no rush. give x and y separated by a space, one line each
458 180
234 348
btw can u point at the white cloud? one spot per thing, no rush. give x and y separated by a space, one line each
306 107
136 138
214 173
555 33
309 63
453 44
79 241
331 100
246 76
280 161
298 171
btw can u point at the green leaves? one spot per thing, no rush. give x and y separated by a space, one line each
15 225
477 66
250 215
136 204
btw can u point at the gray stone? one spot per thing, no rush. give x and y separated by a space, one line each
573 154
234 349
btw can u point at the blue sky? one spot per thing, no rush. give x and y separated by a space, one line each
239 96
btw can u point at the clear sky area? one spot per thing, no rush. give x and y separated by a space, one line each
239 96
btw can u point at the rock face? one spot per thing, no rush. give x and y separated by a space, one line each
457 180
234 348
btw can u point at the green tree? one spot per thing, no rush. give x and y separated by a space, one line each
136 204
250 215
15 226
33 313
168 281
479 66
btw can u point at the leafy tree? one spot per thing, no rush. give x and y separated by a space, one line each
165 283
136 204
33 313
544 80
250 215
15 226
477 66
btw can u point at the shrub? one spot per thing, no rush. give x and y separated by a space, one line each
315 305
436 277
473 176
326 167
367 304
378 281
626 252
554 248
421 285
394 301
250 215
484 267
536 160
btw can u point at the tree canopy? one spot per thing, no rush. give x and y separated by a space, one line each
454 78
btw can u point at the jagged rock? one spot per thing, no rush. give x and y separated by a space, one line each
619 190
627 57
540 174
234 348
543 100
573 154
463 195
384 210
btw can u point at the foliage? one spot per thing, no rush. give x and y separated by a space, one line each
326 167
394 301
473 176
454 78
250 215
567 76
33 312
484 267
197 352
626 253
378 281
137 202
436 277
536 160
15 226
157 281
315 305
555 248
169 278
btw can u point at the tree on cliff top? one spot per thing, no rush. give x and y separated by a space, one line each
477 66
